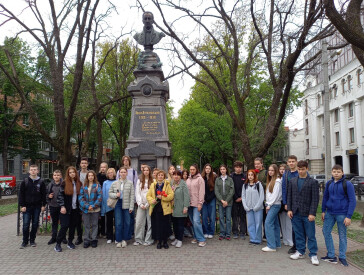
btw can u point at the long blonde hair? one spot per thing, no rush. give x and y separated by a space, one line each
271 180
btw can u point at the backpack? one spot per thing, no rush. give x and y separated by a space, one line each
345 186
256 185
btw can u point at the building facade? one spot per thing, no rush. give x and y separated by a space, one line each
346 87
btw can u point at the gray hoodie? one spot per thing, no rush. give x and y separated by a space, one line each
252 198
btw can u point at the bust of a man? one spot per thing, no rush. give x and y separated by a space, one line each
148 37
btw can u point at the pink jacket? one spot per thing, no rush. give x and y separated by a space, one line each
196 187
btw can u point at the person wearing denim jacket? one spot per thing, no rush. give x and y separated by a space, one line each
90 200
224 191
338 206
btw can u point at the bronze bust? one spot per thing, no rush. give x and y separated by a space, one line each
148 37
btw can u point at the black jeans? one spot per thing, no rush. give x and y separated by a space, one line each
30 215
102 226
78 220
65 222
75 222
55 213
239 218
110 225
178 227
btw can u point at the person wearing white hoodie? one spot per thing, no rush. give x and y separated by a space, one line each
142 215
273 205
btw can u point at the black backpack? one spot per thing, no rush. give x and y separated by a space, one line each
256 185
345 186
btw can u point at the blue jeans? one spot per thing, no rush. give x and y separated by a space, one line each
196 223
32 213
122 222
209 217
272 228
304 229
255 223
329 223
225 228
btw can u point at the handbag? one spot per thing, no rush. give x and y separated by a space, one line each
111 202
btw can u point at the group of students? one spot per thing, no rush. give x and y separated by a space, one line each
284 200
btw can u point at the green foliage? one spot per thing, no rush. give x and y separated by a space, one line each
356 216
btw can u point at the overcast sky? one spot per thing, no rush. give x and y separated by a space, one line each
128 21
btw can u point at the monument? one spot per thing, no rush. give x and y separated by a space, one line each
148 140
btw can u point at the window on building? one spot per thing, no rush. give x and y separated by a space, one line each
351 109
43 146
336 115
26 120
307 146
306 107
350 82
359 73
352 135
335 90
306 126
45 170
343 86
25 166
318 100
337 138
11 166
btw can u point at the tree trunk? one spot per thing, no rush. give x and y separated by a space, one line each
100 147
5 154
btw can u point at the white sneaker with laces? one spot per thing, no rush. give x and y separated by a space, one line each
179 244
123 244
210 236
174 242
314 260
136 243
109 241
118 245
267 249
297 256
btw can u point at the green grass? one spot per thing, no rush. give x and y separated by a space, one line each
356 257
7 209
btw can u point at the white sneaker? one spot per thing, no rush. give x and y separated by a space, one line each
147 244
118 245
210 236
194 241
205 235
179 244
174 242
201 244
267 249
297 256
136 243
314 260
172 238
123 244
109 241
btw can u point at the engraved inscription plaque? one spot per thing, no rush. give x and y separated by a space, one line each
147 122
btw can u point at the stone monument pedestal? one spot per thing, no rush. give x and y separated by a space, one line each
148 140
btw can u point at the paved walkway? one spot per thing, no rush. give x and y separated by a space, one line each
220 257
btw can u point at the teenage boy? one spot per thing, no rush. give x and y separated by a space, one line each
338 206
238 211
54 208
32 200
287 228
302 202
83 172
101 177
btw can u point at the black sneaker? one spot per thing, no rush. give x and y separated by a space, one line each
343 262
58 248
51 241
64 241
329 260
94 244
23 245
292 250
86 245
71 246
79 241
33 244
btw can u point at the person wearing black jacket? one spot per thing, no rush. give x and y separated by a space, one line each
32 200
209 205
302 202
67 200
238 211
101 177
